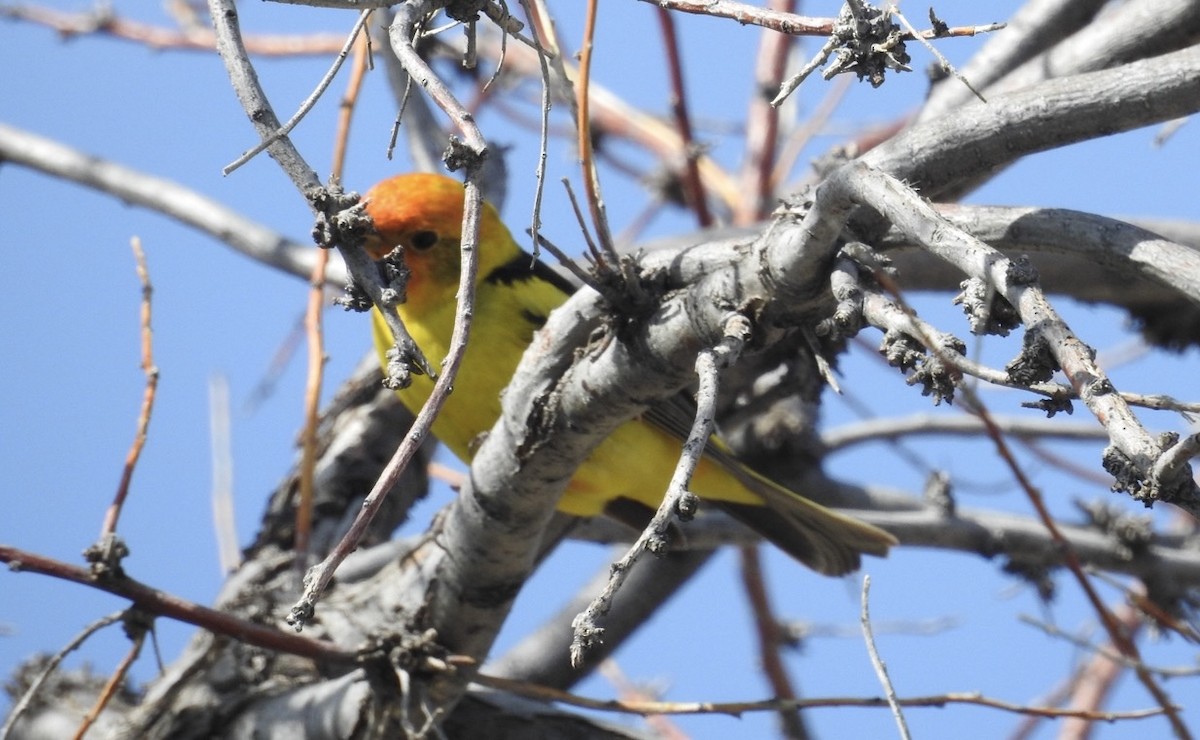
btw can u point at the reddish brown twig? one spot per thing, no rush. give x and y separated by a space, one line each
1120 640
109 527
770 640
70 25
762 124
114 681
153 601
314 312
693 186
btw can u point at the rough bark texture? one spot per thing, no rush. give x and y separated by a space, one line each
424 614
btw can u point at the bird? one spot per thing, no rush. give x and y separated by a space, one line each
422 213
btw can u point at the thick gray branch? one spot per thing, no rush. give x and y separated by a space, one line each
1130 31
937 156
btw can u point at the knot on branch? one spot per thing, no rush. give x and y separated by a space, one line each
341 221
634 293
1051 405
846 322
987 311
106 555
1132 533
587 635
465 11
340 218
1020 271
460 155
794 206
354 298
400 369
1034 572
686 507
394 274
1126 477
1140 485
934 371
868 43
135 623
301 614
417 651
939 493
1035 363
846 283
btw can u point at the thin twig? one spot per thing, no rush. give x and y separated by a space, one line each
847 435
795 25
539 187
789 86
104 20
662 727
776 20
587 159
1107 652
1117 635
877 662
309 102
923 38
229 556
52 664
736 709
401 33
314 314
693 186
109 527
582 275
590 248
115 680
253 98
154 601
771 639
677 498
884 314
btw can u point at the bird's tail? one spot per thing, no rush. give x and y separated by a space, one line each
827 541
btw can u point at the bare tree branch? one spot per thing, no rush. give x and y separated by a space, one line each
166 197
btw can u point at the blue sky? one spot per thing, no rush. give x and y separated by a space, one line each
71 384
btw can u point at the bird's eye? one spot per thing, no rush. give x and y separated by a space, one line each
423 240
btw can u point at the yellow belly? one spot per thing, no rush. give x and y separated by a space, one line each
635 462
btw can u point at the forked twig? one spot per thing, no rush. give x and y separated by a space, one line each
678 499
308 102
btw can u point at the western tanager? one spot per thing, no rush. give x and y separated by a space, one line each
422 214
